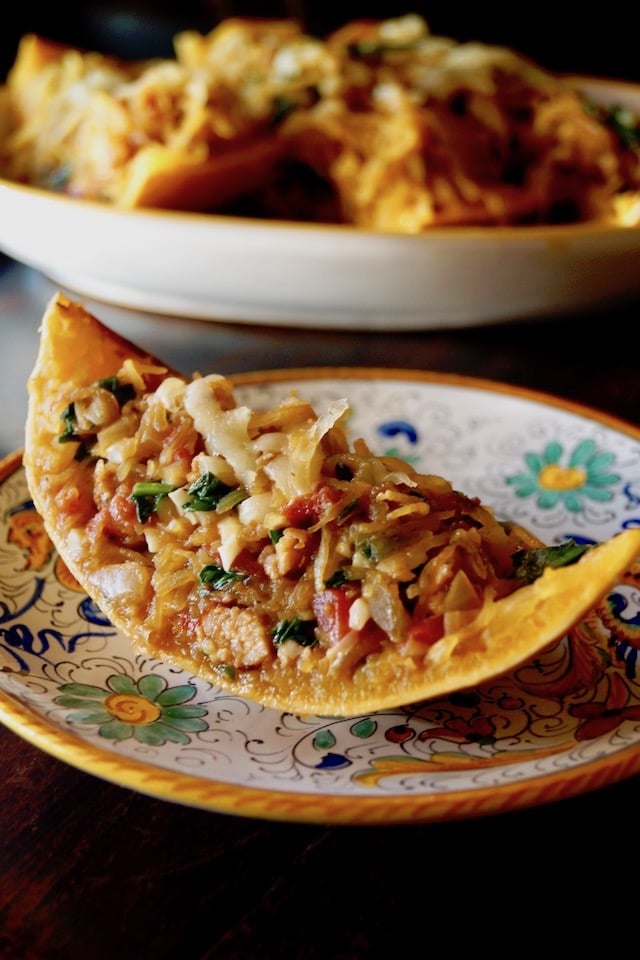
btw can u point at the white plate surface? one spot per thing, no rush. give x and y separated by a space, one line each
223 268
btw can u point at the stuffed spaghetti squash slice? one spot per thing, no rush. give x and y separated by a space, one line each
263 550
188 133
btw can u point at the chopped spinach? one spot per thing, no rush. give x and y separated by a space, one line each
121 391
206 492
217 578
68 417
337 579
70 434
528 565
147 496
301 631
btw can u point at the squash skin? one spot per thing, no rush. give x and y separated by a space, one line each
76 349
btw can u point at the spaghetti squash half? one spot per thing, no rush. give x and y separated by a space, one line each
266 552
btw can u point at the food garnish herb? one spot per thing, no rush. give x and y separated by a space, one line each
206 492
619 119
337 579
121 391
231 499
227 670
217 578
68 417
302 631
625 126
528 565
346 511
281 108
147 496
70 434
373 548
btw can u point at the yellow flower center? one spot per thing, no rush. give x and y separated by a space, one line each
555 477
131 708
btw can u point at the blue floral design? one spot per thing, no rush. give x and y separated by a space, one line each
394 428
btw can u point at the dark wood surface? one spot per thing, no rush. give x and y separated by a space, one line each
93 871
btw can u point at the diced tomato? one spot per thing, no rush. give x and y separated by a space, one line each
373 634
246 562
331 609
426 632
118 519
77 504
122 510
180 443
307 509
301 512
184 632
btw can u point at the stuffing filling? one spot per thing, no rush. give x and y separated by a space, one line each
253 536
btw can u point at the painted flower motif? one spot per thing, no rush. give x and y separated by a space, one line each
598 719
476 730
394 428
584 475
148 709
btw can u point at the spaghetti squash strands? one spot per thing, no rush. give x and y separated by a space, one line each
382 125
266 551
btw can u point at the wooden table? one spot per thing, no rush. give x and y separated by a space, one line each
93 871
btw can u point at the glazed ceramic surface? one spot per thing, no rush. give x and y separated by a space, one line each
301 275
564 723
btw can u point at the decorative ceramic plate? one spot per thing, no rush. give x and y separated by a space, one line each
565 723
302 275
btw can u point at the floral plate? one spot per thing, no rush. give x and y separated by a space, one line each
564 723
